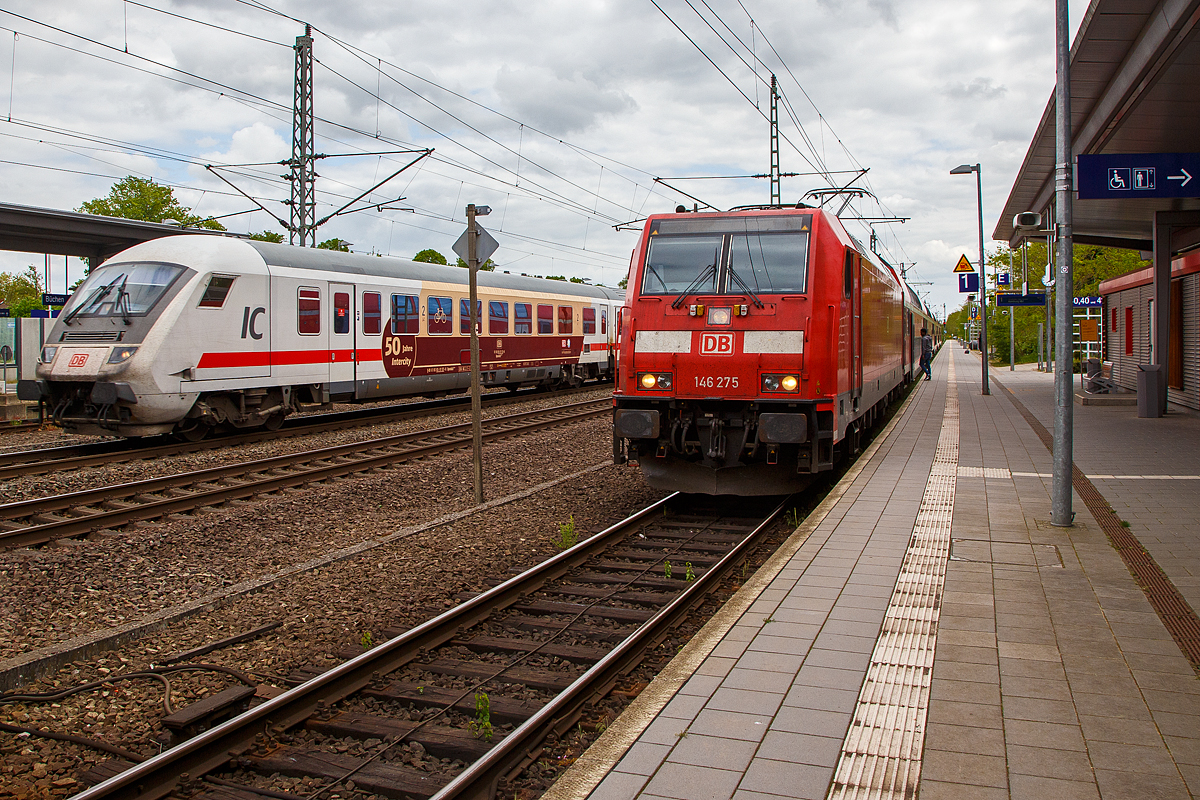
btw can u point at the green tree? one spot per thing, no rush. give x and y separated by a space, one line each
556 277
267 236
21 293
1091 265
142 198
430 257
334 244
623 283
487 266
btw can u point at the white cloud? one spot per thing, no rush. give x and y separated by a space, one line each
910 88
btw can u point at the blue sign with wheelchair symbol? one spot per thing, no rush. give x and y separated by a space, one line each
1123 175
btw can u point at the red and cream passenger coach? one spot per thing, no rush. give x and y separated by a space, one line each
756 344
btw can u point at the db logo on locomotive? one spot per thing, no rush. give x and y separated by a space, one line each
716 344
78 360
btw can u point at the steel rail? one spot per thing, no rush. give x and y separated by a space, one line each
75 456
522 746
208 751
302 468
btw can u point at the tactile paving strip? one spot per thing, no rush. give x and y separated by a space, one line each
881 756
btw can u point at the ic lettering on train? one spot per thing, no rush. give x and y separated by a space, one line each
249 318
716 344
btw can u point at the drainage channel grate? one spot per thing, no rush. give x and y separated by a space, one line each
1177 616
881 756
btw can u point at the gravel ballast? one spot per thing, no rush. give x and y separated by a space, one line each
53 594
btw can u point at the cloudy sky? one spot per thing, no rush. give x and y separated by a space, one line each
559 115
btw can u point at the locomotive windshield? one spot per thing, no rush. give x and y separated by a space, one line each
674 263
121 290
765 255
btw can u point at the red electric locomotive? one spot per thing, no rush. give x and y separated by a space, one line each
756 344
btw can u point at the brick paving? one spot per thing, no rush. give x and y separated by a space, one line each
1053 677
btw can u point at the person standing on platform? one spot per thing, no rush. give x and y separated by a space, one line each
926 354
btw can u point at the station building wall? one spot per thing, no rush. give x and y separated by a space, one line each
1127 308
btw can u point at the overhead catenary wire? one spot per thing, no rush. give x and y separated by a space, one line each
504 177
233 92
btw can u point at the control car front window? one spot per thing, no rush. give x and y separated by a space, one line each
770 263
122 290
678 264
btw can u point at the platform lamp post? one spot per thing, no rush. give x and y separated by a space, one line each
966 169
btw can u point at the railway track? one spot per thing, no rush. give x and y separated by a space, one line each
36 522
19 427
76 456
459 705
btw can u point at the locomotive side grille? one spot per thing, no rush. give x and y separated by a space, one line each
91 336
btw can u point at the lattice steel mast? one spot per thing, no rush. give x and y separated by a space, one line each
774 142
303 162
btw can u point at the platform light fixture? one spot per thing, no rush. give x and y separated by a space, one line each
967 169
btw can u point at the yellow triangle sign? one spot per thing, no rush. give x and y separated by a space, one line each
963 265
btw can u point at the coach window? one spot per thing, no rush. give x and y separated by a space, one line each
545 319
565 319
441 315
464 315
497 317
216 291
405 315
589 321
603 321
308 310
372 319
341 312
522 318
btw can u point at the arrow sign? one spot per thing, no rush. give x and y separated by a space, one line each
963 265
1121 176
485 245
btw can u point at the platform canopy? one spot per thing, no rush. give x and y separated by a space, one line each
1135 88
68 233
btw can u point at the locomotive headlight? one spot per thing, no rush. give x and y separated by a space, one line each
780 383
720 316
121 354
48 354
660 381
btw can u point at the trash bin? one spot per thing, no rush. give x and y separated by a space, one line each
1149 401
1092 371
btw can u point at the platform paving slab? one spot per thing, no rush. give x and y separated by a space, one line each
1053 676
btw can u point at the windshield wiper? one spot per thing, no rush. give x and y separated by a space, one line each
733 274
704 273
123 302
654 272
98 294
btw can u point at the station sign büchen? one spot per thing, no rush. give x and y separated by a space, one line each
1120 176
1016 299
